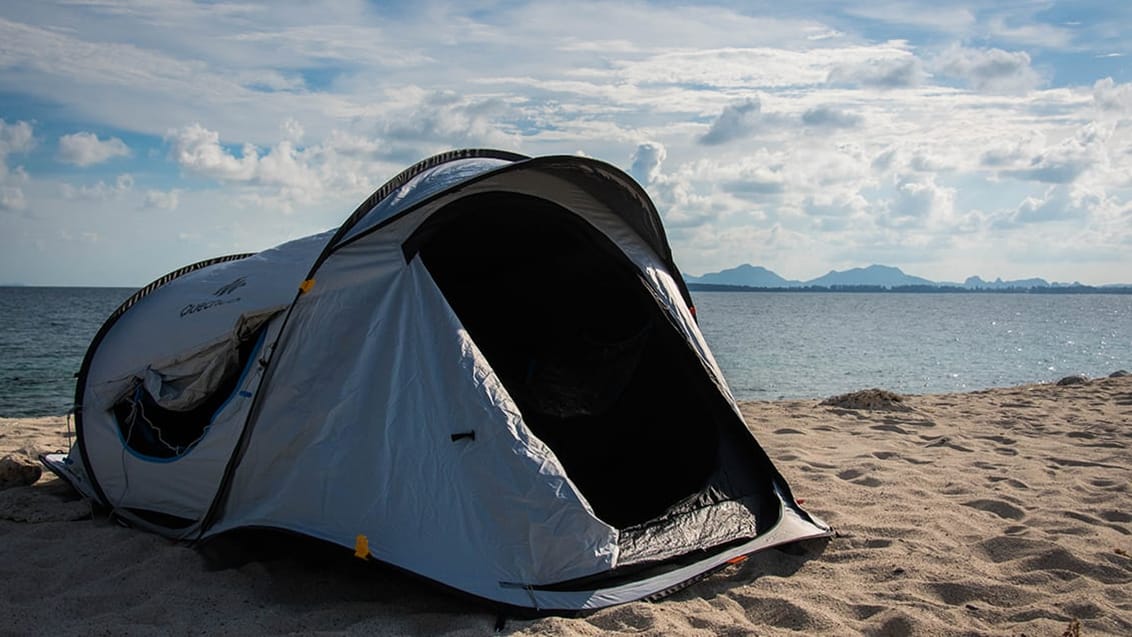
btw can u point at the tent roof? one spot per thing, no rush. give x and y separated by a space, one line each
442 174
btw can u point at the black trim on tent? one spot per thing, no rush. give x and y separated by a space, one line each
84 369
646 225
401 179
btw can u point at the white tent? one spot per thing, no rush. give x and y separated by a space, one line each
490 375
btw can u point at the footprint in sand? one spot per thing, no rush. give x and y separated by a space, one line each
854 476
944 441
1004 510
1039 556
1010 482
1116 516
778 612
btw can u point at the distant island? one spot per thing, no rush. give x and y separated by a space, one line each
880 278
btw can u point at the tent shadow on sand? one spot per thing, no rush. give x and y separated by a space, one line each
301 572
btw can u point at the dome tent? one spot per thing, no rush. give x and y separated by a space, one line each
490 375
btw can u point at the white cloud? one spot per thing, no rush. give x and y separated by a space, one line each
675 194
1025 30
934 16
293 131
452 120
1009 152
101 190
12 197
198 150
835 210
284 175
1066 161
884 73
162 199
86 149
14 139
1112 97
1058 203
831 117
990 70
919 200
757 181
737 120
647 160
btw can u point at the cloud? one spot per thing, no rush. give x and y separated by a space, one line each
282 177
647 160
292 130
736 121
1058 203
989 70
100 191
834 210
830 117
284 174
449 119
934 16
920 198
12 197
1009 152
675 193
888 72
680 205
85 149
14 139
1068 160
162 200
757 181
1026 30
198 150
1112 97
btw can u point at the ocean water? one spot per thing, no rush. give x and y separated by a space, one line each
769 345
44 333
808 345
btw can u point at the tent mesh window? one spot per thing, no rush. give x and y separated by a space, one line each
154 432
596 367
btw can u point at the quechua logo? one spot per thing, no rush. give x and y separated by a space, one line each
222 295
229 288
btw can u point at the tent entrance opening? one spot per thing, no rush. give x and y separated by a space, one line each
597 369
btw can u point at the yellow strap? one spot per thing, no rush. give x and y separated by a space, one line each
306 286
361 547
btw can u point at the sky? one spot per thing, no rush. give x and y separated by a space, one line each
989 138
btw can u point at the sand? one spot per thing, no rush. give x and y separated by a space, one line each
998 512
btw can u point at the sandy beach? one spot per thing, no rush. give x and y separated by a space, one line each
1000 512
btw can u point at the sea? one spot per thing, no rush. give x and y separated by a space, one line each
770 345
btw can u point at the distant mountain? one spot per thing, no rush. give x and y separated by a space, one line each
977 283
753 276
882 275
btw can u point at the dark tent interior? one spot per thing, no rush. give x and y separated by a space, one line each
596 367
